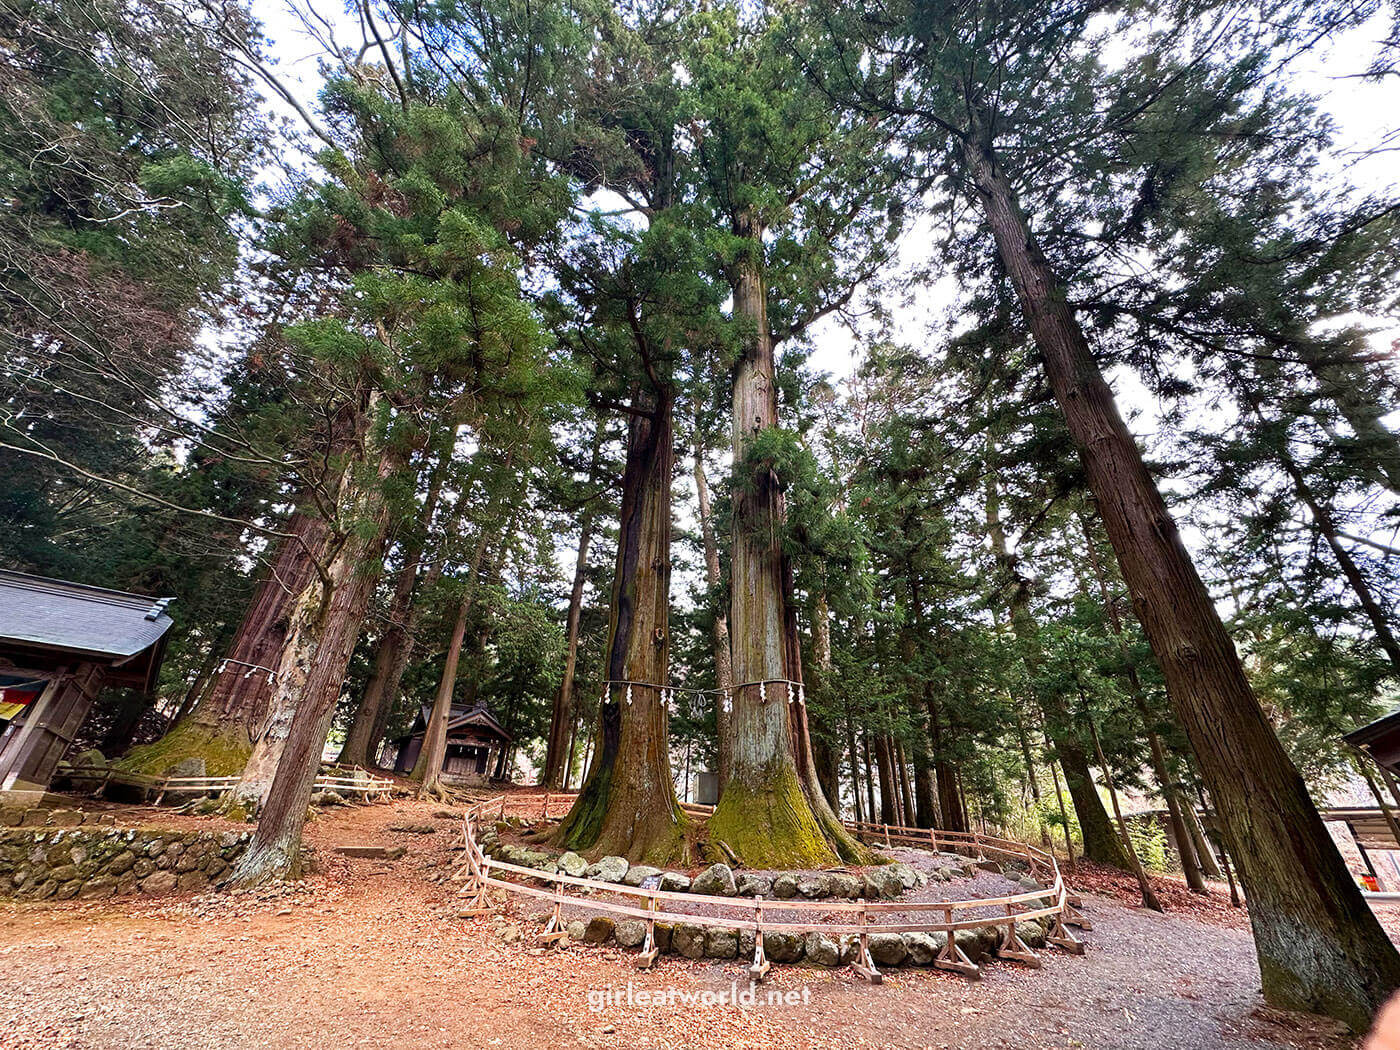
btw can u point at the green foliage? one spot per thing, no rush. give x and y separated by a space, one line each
1149 840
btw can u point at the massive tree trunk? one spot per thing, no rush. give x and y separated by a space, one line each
561 720
1101 843
1320 947
764 813
324 626
204 681
628 804
223 725
724 672
1185 850
391 657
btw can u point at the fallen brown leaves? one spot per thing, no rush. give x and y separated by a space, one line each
1213 907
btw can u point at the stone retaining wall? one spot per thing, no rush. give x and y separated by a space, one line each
92 862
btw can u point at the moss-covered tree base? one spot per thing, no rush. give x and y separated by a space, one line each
225 752
660 842
582 825
847 847
770 826
597 826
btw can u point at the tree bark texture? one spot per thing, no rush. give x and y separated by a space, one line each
627 806
324 627
235 711
1320 947
764 813
395 647
724 671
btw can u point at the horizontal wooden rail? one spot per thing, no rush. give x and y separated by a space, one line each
370 787
948 916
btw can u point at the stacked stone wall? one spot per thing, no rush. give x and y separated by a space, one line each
46 859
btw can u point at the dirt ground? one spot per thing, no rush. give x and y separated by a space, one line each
370 953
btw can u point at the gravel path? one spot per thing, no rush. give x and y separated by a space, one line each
367 954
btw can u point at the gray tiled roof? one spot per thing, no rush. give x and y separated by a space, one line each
460 715
76 618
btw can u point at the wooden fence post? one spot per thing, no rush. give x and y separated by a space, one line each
864 966
761 965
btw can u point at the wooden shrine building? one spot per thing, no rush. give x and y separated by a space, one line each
1381 740
60 644
476 743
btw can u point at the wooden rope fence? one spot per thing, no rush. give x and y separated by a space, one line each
482 874
370 788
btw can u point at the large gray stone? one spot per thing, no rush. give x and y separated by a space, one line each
715 881
887 949
923 948
639 873
814 887
663 936
850 948
991 937
537 859
97 889
675 882
843 885
721 943
822 950
755 886
908 877
630 933
971 944
1032 933
785 885
688 939
609 869
599 930
890 884
571 863
159 882
783 947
